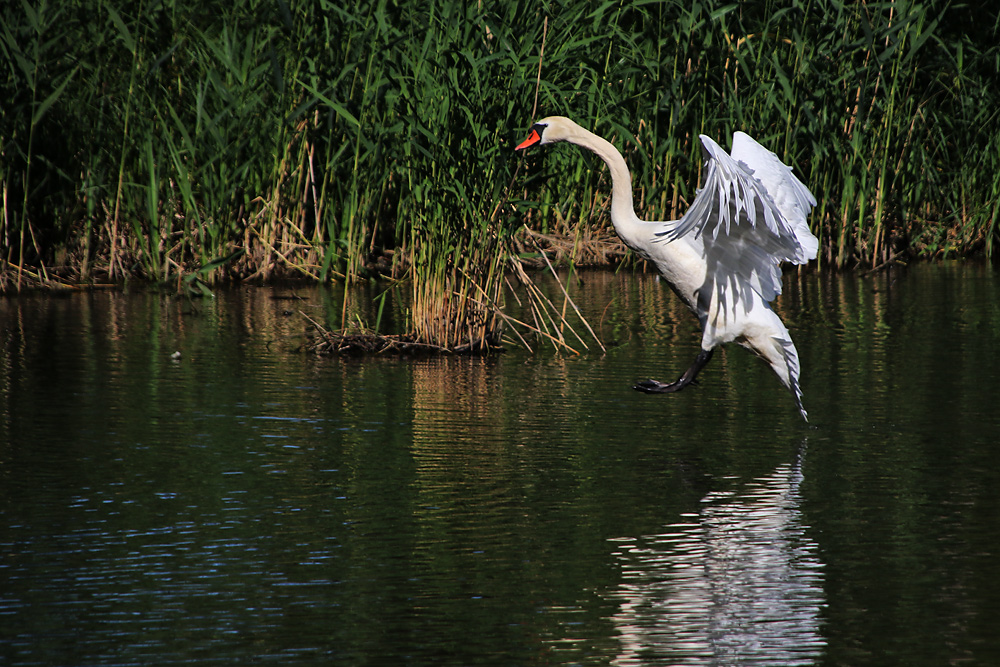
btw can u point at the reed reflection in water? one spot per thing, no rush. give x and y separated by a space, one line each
739 582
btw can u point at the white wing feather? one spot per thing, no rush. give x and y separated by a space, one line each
751 216
790 195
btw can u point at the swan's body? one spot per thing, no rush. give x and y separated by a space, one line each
722 257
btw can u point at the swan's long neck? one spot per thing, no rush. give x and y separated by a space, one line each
622 211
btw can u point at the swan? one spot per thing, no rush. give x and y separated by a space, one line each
722 256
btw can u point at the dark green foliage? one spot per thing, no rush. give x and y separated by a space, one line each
157 139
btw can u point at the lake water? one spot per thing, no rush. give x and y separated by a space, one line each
246 501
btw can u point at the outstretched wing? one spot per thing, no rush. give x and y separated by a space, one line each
746 232
790 195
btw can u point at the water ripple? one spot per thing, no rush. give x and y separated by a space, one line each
738 582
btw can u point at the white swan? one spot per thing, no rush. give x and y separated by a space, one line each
722 256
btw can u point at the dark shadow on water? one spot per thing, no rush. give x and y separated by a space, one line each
189 485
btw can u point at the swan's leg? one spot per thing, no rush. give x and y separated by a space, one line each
654 387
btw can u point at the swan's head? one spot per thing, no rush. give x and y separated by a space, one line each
550 130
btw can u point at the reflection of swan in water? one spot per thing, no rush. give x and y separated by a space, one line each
739 582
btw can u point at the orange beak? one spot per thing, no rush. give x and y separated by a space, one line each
532 139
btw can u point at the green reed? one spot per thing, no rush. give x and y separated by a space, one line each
263 139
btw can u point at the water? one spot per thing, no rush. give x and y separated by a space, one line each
244 501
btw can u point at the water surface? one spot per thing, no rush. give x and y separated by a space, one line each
244 500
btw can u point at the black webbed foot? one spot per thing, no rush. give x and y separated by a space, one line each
655 387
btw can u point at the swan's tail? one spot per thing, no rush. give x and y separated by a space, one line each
790 376
771 341
778 350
